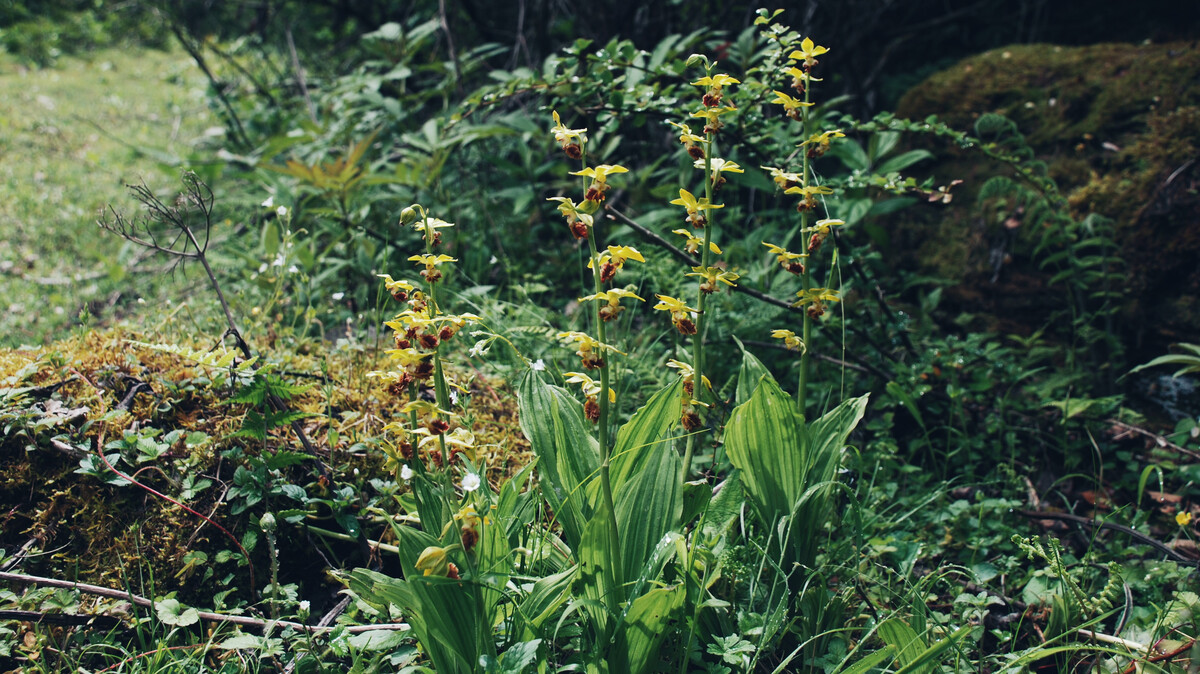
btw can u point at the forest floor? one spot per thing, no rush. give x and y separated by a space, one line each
71 138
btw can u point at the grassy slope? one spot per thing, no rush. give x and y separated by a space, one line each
70 138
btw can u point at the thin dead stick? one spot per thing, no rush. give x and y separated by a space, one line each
1136 535
1158 439
745 290
244 621
312 111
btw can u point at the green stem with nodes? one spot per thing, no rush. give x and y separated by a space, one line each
439 379
614 539
806 276
701 301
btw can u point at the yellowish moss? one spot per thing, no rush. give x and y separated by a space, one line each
104 534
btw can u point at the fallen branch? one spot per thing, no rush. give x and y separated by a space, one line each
1158 439
244 621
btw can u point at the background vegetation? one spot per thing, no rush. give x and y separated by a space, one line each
1017 494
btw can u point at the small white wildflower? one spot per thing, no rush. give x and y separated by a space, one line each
454 397
304 606
337 296
470 482
282 211
269 203
355 472
293 269
262 268
278 261
406 473
141 300
493 260
476 350
538 365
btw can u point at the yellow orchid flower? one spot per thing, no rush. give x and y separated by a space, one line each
820 231
693 205
399 289
681 313
719 80
590 350
783 179
613 260
690 140
599 175
824 225
689 375
791 106
431 263
819 142
694 242
712 276
566 138
712 97
579 221
719 166
612 299
591 387
824 137
686 136
808 190
809 51
431 224
790 340
787 259
711 117
815 299
810 194
800 78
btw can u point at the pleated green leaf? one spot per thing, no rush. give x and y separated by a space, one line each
646 625
764 441
909 645
645 434
649 506
553 423
548 595
751 372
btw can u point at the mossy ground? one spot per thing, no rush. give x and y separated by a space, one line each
115 535
71 137
1119 127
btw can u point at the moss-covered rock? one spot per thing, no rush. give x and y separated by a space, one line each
1119 128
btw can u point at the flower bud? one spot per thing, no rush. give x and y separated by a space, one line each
408 216
433 562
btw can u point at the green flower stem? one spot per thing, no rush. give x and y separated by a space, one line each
701 301
614 539
806 277
439 379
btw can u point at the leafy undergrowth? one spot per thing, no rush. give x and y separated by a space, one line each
172 423
72 136
931 549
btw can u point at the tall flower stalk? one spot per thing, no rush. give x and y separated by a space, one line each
701 214
596 353
804 184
